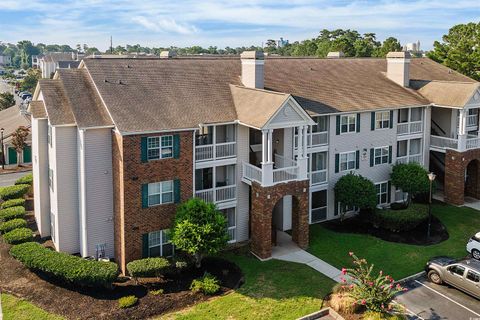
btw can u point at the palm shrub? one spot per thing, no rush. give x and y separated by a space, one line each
12 213
28 179
12 224
14 192
12 203
17 236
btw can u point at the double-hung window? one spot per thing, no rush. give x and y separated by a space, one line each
381 155
348 161
382 120
382 193
159 244
159 147
160 193
348 123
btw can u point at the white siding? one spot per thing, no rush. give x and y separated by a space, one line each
40 174
243 189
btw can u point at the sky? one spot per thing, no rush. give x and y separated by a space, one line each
164 23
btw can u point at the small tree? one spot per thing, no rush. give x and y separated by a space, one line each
19 138
355 191
411 178
199 229
7 100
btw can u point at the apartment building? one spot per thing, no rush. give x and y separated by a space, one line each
118 143
51 61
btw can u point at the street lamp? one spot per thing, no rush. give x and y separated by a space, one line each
3 149
431 177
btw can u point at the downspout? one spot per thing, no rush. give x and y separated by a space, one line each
83 192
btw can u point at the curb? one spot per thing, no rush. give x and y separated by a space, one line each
21 171
413 276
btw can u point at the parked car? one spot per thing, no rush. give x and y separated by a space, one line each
27 96
463 274
473 246
24 94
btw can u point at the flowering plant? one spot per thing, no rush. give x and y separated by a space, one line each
374 291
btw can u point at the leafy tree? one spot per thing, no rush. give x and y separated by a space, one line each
30 81
19 139
460 49
411 178
390 44
7 100
199 229
355 191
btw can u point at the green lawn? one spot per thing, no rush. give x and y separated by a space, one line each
272 290
19 309
398 260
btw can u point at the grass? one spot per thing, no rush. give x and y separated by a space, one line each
398 260
272 290
19 309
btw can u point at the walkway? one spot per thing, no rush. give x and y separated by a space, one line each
287 250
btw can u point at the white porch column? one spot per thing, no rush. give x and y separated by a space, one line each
270 146
264 146
267 164
302 153
462 130
305 141
300 142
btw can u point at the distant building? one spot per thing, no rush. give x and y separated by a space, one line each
413 47
5 60
282 43
50 62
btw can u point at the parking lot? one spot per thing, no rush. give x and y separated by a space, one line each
425 300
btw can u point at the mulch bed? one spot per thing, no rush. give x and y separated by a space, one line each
87 303
417 236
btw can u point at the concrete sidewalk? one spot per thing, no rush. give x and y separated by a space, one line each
287 250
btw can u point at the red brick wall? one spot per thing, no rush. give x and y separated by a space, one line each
131 220
455 165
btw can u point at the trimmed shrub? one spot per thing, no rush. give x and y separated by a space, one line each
28 179
398 206
12 213
148 267
65 267
127 302
207 284
400 220
372 315
12 224
156 292
14 192
12 203
17 236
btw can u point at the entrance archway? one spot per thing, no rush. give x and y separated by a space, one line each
462 176
472 179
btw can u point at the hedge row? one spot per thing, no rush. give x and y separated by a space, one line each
65 267
12 224
28 179
12 213
401 220
17 236
14 192
12 203
149 267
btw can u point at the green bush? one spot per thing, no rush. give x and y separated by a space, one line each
400 220
66 267
354 190
12 224
17 236
127 302
156 292
398 206
149 267
208 284
28 179
12 213
14 192
372 315
12 203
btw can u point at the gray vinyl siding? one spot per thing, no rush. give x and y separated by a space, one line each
243 189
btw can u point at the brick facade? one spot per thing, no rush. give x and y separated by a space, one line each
457 185
263 203
131 220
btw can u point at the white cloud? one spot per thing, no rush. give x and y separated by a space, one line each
164 25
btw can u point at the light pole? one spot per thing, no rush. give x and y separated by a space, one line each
431 177
3 149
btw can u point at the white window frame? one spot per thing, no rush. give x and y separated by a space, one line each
318 208
156 143
161 192
381 193
160 237
347 154
349 122
233 228
381 156
382 120
347 209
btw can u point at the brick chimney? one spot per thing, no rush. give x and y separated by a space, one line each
253 69
398 67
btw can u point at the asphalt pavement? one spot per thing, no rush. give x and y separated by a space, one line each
8 179
426 300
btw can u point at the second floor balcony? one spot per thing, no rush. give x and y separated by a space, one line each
215 143
216 184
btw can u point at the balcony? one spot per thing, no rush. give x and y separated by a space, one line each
410 158
443 143
409 127
472 120
284 170
318 177
217 195
315 139
215 151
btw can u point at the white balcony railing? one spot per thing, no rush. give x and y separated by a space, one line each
472 120
279 174
251 172
409 159
409 127
219 194
473 143
443 142
318 177
282 161
314 139
215 151
285 174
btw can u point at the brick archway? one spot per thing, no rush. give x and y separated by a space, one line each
462 176
263 203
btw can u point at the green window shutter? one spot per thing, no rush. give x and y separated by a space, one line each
390 154
338 125
176 190
358 122
391 119
372 157
389 191
372 125
143 144
337 162
176 146
357 156
145 195
145 245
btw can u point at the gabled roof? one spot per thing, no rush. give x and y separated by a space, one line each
446 93
12 118
56 102
37 109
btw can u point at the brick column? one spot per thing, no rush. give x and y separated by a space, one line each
454 177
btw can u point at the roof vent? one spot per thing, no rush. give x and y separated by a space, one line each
335 55
167 54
